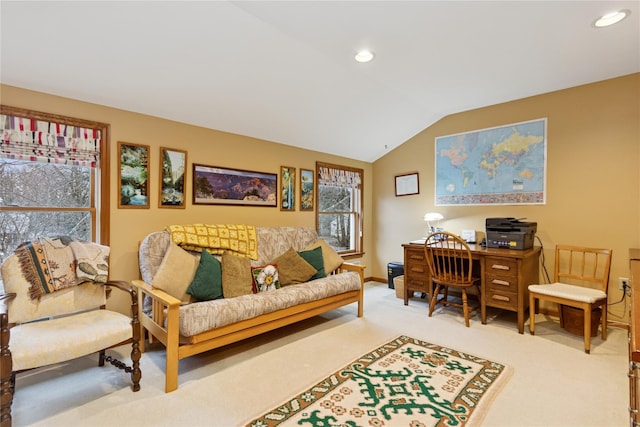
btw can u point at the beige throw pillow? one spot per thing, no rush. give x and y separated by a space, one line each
236 276
176 272
331 258
292 268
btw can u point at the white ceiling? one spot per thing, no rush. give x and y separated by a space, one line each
284 71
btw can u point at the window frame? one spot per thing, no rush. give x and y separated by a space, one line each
99 208
358 213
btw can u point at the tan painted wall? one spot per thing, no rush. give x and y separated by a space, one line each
204 146
593 181
593 174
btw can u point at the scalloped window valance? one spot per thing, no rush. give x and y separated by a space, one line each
338 177
48 142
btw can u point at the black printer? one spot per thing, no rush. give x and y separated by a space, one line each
510 233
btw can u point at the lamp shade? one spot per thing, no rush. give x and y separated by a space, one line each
433 216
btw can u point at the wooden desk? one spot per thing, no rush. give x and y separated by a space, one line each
505 277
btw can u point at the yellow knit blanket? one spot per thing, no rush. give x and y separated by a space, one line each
240 239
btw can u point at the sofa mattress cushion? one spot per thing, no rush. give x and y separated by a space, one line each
203 316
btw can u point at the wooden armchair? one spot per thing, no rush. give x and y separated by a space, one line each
72 322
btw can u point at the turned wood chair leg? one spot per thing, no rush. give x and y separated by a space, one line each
136 353
465 307
434 299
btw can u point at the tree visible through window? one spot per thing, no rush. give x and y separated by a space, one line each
339 206
53 178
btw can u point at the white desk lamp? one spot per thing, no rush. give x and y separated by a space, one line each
430 217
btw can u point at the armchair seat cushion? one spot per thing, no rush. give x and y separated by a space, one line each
562 290
52 341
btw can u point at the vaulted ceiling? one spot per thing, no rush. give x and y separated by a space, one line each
284 70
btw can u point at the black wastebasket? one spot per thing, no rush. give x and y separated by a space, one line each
394 269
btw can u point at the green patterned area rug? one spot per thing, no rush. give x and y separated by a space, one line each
405 382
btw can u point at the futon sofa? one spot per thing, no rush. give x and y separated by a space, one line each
188 326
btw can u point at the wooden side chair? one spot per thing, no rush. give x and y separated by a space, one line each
60 326
581 280
451 265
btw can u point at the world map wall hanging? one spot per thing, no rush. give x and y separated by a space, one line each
503 165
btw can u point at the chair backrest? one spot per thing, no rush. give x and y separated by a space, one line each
449 258
581 266
22 308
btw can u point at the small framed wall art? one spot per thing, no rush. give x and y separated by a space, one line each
173 176
407 184
213 185
133 175
287 188
306 190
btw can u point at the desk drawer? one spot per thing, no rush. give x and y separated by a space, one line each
415 255
501 283
416 284
501 299
415 269
501 266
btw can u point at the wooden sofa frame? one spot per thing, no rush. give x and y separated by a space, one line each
165 311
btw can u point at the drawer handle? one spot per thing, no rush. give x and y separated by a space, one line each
500 282
501 298
418 257
500 267
418 270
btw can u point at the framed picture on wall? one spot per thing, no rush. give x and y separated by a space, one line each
287 188
407 184
306 190
133 175
173 175
213 185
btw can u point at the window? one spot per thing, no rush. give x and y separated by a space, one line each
339 207
54 173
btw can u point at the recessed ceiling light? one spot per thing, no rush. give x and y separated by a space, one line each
611 18
364 56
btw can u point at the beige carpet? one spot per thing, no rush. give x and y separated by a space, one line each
554 383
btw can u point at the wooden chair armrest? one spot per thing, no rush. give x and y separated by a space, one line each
358 268
156 294
124 286
4 296
347 266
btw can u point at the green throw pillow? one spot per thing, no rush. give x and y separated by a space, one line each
207 283
332 259
314 257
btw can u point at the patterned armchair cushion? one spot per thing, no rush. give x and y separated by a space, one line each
64 338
